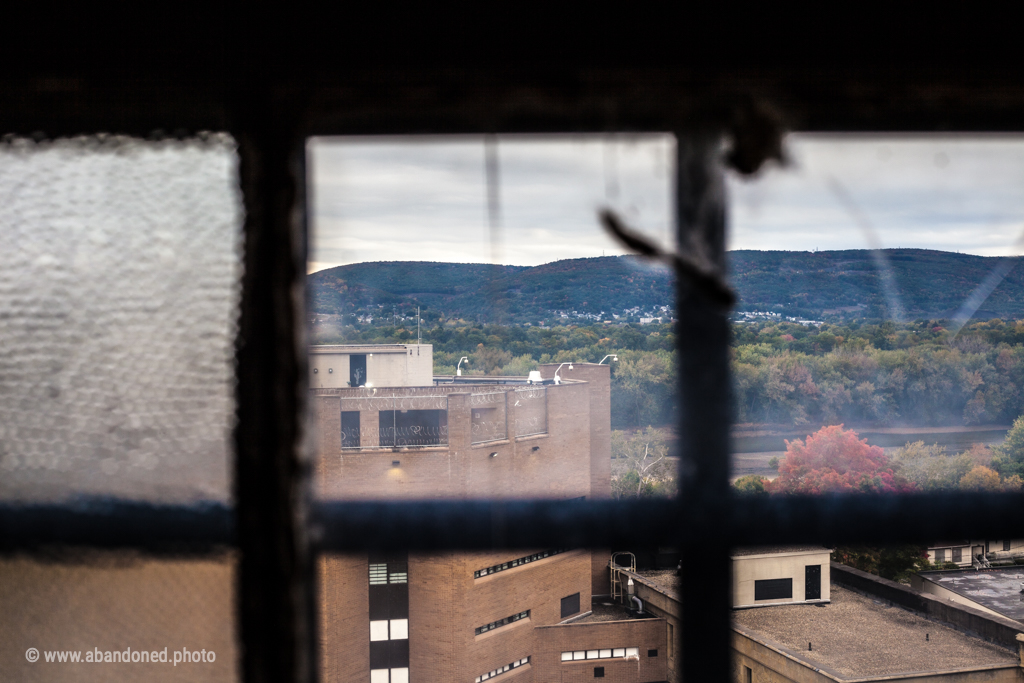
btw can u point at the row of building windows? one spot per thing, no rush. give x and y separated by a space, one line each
389 629
503 669
621 652
502 622
517 562
380 576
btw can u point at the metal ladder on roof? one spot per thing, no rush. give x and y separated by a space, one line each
618 576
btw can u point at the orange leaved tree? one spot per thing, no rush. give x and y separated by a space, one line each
834 460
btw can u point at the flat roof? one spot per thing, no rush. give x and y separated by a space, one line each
362 348
665 580
607 610
777 550
857 636
999 589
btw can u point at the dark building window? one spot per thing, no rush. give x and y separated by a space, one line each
517 562
940 555
570 605
502 622
389 654
812 582
652 653
773 589
350 429
413 428
357 370
598 672
958 554
1006 545
748 675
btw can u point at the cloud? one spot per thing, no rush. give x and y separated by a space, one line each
425 199
952 193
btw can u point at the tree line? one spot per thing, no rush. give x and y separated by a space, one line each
879 374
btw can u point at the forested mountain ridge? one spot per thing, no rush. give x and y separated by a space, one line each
493 293
930 284
818 285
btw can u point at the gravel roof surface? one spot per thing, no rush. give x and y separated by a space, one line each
664 579
605 612
998 589
856 636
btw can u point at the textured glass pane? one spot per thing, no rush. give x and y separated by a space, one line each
108 604
119 270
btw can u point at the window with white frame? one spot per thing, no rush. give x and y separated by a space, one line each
606 653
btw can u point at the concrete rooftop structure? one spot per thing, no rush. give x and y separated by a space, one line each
997 590
856 637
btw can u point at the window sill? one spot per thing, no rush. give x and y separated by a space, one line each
489 444
532 437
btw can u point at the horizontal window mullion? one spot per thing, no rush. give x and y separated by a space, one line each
111 524
754 520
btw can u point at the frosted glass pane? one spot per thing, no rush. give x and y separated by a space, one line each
115 603
119 285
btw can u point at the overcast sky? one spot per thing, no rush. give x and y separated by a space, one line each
426 199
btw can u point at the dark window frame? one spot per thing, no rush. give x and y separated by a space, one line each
264 82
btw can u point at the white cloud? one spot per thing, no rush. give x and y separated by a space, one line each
425 199
952 193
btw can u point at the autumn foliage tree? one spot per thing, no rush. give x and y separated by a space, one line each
834 460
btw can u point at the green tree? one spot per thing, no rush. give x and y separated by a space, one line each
929 467
895 563
1008 457
751 484
644 381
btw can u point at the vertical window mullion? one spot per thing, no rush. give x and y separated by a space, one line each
705 409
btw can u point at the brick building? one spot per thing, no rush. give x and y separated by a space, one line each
519 615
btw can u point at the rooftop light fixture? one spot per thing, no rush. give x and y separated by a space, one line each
610 355
458 368
558 380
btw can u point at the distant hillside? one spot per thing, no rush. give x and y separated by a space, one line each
931 284
486 292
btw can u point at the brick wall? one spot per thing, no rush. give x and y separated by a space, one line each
344 618
561 467
645 634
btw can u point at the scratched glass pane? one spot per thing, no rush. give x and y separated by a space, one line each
879 339
476 332
119 272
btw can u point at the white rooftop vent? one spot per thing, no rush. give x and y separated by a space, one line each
535 377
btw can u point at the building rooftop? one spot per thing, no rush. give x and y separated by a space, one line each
665 580
1000 590
857 636
776 549
606 610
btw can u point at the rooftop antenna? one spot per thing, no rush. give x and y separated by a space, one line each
417 324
